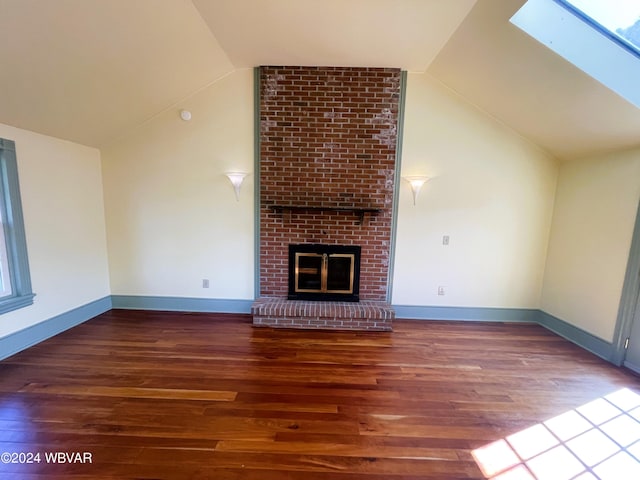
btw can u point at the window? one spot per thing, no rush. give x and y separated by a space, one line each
15 281
620 20
600 37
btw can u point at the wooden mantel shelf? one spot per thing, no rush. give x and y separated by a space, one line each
360 211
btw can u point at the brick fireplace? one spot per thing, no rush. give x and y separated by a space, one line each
327 165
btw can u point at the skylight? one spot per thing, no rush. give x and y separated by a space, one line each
619 19
600 37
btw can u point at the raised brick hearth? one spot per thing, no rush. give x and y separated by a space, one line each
327 173
364 315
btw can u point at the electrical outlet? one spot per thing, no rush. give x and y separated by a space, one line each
440 290
205 283
445 239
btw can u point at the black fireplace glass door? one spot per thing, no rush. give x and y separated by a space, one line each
324 272
309 272
340 273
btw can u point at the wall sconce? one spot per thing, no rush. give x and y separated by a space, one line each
236 179
416 182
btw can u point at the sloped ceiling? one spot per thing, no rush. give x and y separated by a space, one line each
90 71
502 70
357 33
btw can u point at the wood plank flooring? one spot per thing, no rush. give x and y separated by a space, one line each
157 395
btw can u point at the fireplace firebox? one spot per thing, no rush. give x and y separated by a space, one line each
324 272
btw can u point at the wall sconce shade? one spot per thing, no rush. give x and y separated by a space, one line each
416 182
236 179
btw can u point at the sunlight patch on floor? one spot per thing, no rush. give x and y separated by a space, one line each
596 441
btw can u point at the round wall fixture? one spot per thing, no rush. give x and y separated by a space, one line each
185 115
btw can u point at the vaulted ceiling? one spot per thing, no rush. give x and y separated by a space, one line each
90 71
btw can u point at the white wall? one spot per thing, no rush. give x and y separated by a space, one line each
172 217
491 191
61 189
596 204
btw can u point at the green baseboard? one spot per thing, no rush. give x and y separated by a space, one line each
181 304
574 334
23 339
34 334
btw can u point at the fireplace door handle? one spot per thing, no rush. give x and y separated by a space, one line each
325 269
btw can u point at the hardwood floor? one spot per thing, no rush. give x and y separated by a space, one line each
156 395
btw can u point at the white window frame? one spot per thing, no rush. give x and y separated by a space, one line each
568 34
15 264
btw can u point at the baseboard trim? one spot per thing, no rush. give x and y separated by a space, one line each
593 344
470 314
632 366
23 339
181 304
589 342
